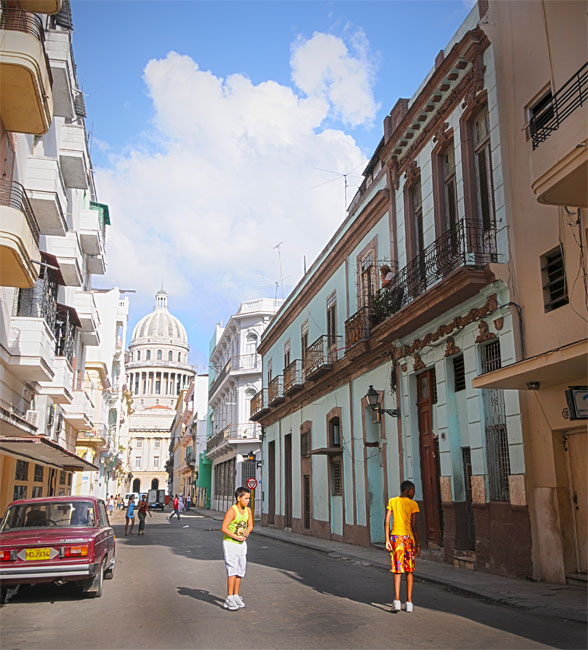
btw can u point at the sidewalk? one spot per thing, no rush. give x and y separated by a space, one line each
560 601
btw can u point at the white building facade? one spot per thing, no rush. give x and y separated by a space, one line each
234 379
157 372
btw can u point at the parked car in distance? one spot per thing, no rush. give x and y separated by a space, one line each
127 497
56 539
156 499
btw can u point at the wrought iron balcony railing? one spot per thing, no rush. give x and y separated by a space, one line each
321 355
258 403
571 96
358 326
463 245
275 390
247 431
293 379
64 334
40 301
13 195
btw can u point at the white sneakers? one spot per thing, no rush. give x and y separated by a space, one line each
233 603
397 606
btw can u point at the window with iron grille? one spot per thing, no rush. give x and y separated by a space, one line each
38 475
416 209
61 478
336 477
433 386
332 318
22 471
334 432
247 471
541 112
305 443
497 450
458 373
483 167
449 186
368 278
553 275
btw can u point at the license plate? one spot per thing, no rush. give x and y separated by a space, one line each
38 554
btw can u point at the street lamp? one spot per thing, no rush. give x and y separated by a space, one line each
373 402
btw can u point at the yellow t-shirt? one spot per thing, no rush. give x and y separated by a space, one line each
402 509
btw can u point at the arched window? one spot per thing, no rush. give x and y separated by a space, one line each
159 355
170 356
148 355
179 356
138 355
251 343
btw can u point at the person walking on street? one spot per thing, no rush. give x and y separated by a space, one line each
176 508
181 503
130 516
237 526
110 505
142 512
188 503
403 541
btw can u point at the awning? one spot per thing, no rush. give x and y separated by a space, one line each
41 450
47 258
565 365
73 314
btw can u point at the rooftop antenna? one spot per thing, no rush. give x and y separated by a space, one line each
339 175
280 263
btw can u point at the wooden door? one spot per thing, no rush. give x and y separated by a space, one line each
429 466
288 481
577 454
271 482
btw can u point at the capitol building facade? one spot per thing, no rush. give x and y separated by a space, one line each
157 371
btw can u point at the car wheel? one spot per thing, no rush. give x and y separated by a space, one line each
93 586
3 593
109 573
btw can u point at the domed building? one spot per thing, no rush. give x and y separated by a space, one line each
157 371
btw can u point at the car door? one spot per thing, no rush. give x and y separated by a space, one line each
105 539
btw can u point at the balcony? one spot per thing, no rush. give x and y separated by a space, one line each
85 307
91 232
358 327
60 388
452 269
73 156
47 194
67 251
79 414
41 6
26 100
31 346
258 405
231 434
59 50
236 365
19 237
96 264
275 391
293 380
560 145
320 356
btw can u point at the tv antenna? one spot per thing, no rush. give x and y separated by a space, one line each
339 175
277 246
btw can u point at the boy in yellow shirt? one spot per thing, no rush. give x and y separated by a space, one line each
403 541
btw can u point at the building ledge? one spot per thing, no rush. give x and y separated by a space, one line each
564 365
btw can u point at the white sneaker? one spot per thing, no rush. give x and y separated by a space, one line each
238 600
230 603
408 607
396 606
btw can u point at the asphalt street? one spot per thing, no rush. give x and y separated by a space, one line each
169 587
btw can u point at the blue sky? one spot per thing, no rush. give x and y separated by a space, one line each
210 123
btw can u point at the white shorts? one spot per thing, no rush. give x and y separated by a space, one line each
235 558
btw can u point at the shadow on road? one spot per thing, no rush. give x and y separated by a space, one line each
201 594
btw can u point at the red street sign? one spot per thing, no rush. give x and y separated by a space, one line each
251 483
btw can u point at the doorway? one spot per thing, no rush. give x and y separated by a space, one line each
271 482
288 481
136 485
429 463
155 484
375 476
576 454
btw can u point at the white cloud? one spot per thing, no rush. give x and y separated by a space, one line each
233 175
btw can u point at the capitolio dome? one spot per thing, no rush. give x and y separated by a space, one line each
160 326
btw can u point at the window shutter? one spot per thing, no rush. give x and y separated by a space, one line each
485 188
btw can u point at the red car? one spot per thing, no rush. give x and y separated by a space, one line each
56 539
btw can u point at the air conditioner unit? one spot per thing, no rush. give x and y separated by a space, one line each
32 417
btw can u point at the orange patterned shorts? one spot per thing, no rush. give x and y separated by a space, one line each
402 555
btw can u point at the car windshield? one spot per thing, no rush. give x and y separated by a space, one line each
63 514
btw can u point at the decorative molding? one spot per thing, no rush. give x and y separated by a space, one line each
412 171
403 367
418 364
499 323
451 348
395 172
442 134
458 322
484 332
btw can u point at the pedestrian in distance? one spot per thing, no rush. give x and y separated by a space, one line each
237 526
175 508
110 505
402 542
188 503
181 503
143 511
130 516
